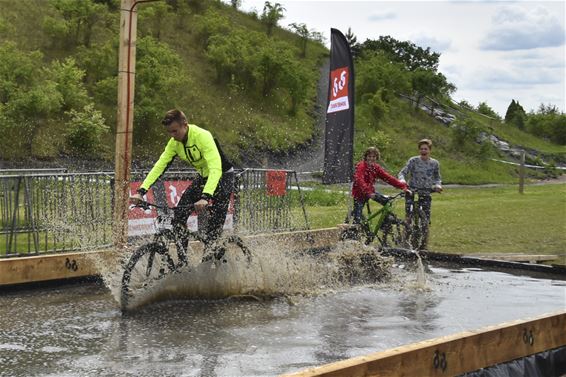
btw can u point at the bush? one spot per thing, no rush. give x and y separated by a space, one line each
85 133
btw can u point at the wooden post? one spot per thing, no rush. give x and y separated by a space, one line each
522 173
125 115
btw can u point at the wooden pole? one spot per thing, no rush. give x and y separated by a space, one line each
125 116
522 173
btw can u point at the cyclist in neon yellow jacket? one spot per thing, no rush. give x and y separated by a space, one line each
215 181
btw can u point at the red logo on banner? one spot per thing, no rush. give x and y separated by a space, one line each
338 90
339 82
276 182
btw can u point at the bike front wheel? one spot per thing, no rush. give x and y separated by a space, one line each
148 263
392 232
419 232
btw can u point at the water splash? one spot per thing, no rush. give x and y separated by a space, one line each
274 270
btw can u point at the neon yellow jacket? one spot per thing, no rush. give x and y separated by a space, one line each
200 150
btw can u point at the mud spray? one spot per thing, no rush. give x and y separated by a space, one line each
272 271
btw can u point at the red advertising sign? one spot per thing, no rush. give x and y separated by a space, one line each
338 100
276 182
142 222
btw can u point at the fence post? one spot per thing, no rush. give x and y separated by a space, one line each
522 173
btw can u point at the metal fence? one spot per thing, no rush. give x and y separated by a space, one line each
59 212
269 200
43 213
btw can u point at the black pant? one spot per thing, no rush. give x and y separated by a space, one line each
424 201
218 210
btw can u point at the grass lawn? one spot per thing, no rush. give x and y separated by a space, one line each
486 220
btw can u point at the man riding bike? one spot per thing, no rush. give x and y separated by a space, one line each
215 180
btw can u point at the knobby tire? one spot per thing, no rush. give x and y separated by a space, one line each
154 253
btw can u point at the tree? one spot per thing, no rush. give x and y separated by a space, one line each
155 16
465 104
28 96
405 52
236 3
68 79
304 33
483 108
77 22
378 81
515 115
428 83
352 40
271 15
548 123
85 131
209 24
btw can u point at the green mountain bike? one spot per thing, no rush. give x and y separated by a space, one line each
382 226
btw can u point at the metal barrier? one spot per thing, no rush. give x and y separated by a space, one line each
265 201
33 171
52 213
43 213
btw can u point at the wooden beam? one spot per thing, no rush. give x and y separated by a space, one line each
48 267
455 354
80 264
124 119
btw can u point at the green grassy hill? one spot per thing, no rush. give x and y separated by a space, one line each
256 93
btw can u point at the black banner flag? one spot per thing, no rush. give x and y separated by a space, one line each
339 135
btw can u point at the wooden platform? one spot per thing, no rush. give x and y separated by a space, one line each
455 354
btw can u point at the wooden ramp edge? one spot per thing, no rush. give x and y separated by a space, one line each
69 265
455 354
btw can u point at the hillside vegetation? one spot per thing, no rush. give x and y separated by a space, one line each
242 76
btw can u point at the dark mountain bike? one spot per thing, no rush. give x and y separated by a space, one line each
382 226
418 219
157 258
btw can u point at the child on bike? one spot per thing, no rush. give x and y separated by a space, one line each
366 173
215 181
423 173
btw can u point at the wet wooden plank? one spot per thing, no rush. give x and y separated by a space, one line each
455 354
80 264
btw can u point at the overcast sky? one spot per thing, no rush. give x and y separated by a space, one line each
493 51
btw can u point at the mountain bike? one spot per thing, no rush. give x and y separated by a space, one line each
418 219
383 225
156 259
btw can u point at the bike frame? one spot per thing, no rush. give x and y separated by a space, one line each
382 214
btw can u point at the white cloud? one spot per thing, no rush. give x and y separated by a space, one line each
387 15
518 28
436 44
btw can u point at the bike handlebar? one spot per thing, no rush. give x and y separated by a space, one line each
146 205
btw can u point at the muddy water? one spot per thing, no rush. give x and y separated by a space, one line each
78 330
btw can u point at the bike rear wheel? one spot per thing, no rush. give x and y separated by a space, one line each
218 251
148 263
